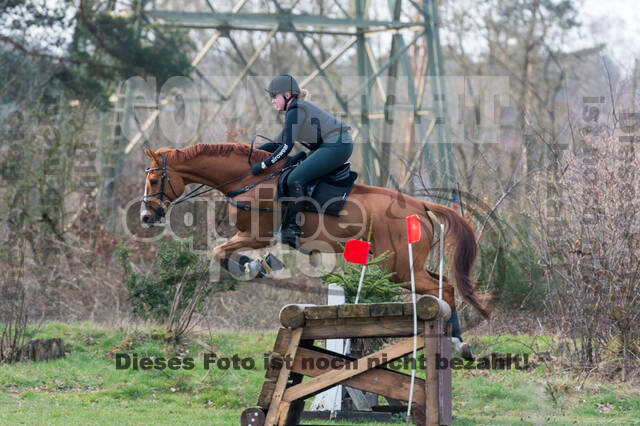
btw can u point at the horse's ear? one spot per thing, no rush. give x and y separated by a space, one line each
151 154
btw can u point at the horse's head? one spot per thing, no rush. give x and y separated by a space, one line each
163 185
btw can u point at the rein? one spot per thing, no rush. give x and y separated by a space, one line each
196 192
253 141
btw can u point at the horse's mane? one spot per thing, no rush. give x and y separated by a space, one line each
217 149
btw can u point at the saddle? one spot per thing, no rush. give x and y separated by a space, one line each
327 194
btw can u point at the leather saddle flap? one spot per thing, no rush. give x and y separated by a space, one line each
328 192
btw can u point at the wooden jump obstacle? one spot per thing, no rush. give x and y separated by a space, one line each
294 356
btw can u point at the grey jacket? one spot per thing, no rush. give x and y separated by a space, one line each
308 124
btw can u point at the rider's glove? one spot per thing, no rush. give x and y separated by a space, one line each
257 168
295 159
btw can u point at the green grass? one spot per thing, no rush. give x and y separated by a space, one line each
86 388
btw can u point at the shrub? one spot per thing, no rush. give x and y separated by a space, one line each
176 271
376 286
510 271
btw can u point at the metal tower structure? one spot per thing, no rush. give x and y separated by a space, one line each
379 75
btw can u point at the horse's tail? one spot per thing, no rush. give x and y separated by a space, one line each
461 238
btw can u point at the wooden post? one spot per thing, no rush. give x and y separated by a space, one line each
437 352
444 376
277 410
252 416
431 338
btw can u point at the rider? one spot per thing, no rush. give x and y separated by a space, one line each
327 137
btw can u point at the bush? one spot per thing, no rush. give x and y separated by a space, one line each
175 269
376 286
510 271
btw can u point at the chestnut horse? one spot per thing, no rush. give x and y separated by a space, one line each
225 167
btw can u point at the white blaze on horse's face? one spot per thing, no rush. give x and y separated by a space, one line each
145 214
150 203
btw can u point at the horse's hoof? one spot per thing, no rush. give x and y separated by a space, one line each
462 348
466 353
255 269
273 262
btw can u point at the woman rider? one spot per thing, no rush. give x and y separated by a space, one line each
327 137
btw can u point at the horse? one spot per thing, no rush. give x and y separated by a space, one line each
368 209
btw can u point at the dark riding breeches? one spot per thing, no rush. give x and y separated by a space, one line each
333 152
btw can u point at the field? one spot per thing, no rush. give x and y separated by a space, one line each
86 388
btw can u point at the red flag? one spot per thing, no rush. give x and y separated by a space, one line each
356 251
413 228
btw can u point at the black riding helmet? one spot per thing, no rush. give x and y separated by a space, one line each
283 83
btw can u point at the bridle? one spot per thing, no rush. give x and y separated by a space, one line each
165 178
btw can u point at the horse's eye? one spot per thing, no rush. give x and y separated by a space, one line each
153 181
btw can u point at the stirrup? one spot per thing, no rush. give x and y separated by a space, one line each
273 262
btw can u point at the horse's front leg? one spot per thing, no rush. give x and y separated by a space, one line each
241 264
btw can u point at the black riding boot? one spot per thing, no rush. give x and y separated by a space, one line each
290 229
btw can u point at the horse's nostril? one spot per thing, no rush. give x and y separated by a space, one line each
145 219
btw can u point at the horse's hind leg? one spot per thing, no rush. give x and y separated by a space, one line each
428 283
437 276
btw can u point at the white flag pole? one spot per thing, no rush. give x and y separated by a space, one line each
415 333
364 267
441 259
